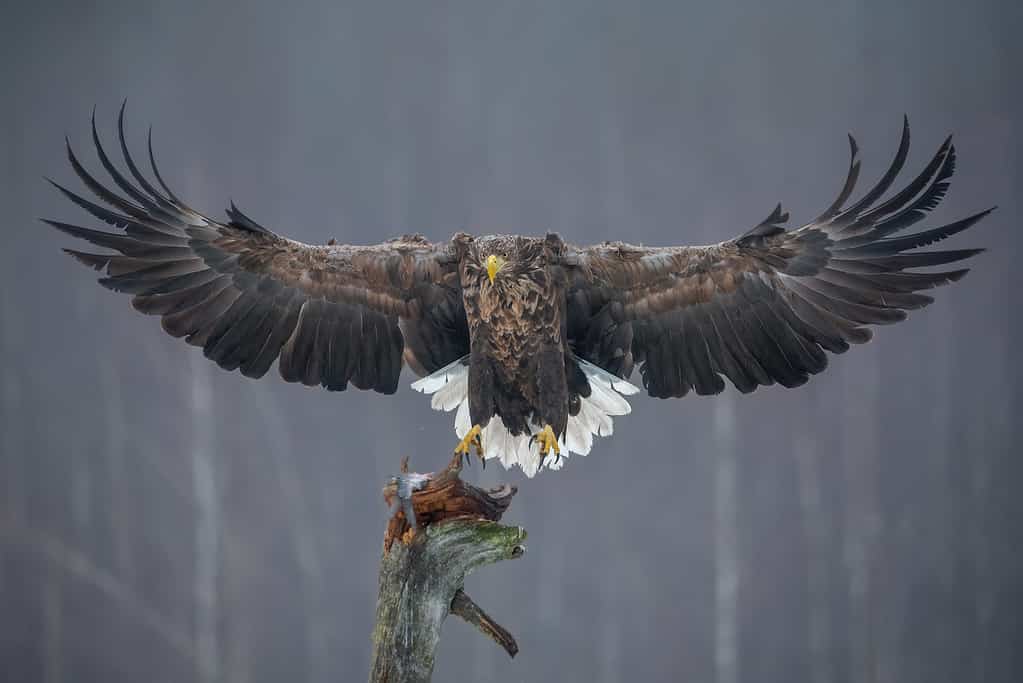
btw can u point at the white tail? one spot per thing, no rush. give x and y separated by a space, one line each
450 389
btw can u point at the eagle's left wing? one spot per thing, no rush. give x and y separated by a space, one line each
763 308
332 314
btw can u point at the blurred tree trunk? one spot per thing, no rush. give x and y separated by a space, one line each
726 544
859 469
207 522
815 529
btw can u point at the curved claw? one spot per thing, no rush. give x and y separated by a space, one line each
548 441
467 459
469 441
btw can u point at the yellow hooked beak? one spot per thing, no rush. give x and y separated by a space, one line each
494 264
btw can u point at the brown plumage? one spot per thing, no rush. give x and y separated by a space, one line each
521 319
516 332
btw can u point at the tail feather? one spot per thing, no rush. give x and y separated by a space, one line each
463 423
434 382
449 387
604 377
452 394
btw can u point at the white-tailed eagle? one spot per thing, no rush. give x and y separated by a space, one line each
531 340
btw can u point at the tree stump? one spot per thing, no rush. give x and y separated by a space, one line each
442 529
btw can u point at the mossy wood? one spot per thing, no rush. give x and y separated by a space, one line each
454 529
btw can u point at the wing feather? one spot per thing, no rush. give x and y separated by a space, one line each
765 306
332 314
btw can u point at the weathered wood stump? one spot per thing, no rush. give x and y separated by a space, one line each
442 529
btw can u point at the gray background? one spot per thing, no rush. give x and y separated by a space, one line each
162 520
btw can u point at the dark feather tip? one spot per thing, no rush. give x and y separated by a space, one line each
95 261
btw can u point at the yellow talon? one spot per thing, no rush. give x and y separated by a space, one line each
548 442
471 439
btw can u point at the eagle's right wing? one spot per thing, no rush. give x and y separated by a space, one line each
763 308
333 314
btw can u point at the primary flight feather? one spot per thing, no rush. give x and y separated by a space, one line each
531 341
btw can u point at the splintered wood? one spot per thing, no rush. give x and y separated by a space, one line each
443 496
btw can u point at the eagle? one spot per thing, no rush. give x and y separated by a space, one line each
530 340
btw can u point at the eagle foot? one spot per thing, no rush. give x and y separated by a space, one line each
469 441
548 442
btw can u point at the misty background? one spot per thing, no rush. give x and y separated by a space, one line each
164 520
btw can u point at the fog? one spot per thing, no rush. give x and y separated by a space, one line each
164 520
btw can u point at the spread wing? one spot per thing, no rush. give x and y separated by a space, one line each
763 308
333 314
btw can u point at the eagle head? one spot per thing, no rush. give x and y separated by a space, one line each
504 263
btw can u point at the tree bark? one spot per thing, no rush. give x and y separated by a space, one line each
441 530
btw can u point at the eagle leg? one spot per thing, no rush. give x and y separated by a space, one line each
548 442
469 441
